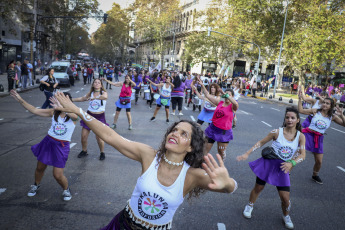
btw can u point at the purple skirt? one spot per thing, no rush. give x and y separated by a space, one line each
269 171
100 117
217 134
51 152
115 223
310 144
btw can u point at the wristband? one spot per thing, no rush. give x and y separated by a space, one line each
292 162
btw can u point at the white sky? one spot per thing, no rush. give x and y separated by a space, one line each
106 5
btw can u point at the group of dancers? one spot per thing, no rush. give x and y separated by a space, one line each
182 166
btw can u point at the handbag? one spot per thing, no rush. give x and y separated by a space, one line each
268 153
124 101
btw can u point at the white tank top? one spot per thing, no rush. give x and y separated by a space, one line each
61 129
153 202
316 105
208 106
236 94
285 149
95 106
166 92
320 123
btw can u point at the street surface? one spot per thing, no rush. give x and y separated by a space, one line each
100 189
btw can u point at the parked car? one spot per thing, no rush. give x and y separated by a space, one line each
60 72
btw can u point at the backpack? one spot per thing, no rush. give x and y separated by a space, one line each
89 71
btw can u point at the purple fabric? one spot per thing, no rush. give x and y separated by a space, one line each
218 134
137 82
269 171
342 99
310 144
51 152
307 121
180 90
100 117
115 223
188 83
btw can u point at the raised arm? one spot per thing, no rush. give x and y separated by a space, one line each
133 150
81 99
339 117
307 99
117 84
300 107
157 85
104 96
272 135
213 177
31 108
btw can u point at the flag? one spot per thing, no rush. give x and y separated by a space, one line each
150 69
226 71
221 70
159 67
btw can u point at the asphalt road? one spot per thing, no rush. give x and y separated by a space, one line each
100 189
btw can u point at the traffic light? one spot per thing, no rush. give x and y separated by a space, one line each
105 18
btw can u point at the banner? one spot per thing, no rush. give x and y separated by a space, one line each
150 70
226 71
221 70
158 67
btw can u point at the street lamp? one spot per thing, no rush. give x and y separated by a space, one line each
280 53
209 30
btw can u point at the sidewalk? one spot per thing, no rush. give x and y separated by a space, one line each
285 100
4 82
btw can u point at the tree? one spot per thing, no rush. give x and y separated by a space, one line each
154 20
111 39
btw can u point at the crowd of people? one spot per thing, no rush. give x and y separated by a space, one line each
182 165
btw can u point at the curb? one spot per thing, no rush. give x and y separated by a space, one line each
5 94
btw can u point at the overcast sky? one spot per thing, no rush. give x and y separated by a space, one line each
105 5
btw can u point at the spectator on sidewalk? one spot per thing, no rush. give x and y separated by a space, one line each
30 71
25 74
70 75
254 88
11 74
19 73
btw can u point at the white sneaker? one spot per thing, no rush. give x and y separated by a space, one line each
66 194
180 114
288 222
247 213
173 113
33 190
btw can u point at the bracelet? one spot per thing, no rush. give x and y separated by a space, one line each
292 162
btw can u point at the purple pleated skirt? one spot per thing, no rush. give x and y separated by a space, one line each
206 116
100 117
269 171
51 152
310 144
217 134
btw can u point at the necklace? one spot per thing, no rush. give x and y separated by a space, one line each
172 163
97 90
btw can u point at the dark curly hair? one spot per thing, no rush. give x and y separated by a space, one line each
294 110
194 158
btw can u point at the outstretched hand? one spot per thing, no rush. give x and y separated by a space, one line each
218 173
66 103
15 95
55 104
242 157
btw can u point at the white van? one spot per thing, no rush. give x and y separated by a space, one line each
60 72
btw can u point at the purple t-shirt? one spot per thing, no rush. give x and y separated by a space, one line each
137 82
178 91
188 83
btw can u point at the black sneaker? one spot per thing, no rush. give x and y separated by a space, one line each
167 120
102 156
82 154
153 119
233 126
317 179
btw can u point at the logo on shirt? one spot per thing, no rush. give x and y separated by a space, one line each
152 206
59 129
219 113
165 93
320 124
95 105
285 152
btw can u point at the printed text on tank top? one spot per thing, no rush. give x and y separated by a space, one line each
154 202
284 148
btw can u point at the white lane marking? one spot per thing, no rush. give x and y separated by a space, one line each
341 168
77 92
262 107
65 90
113 114
1 119
275 109
2 190
193 119
72 145
221 226
338 130
185 108
82 88
243 112
266 124
253 102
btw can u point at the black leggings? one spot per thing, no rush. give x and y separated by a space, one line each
279 188
109 79
119 109
152 93
85 79
137 94
177 100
